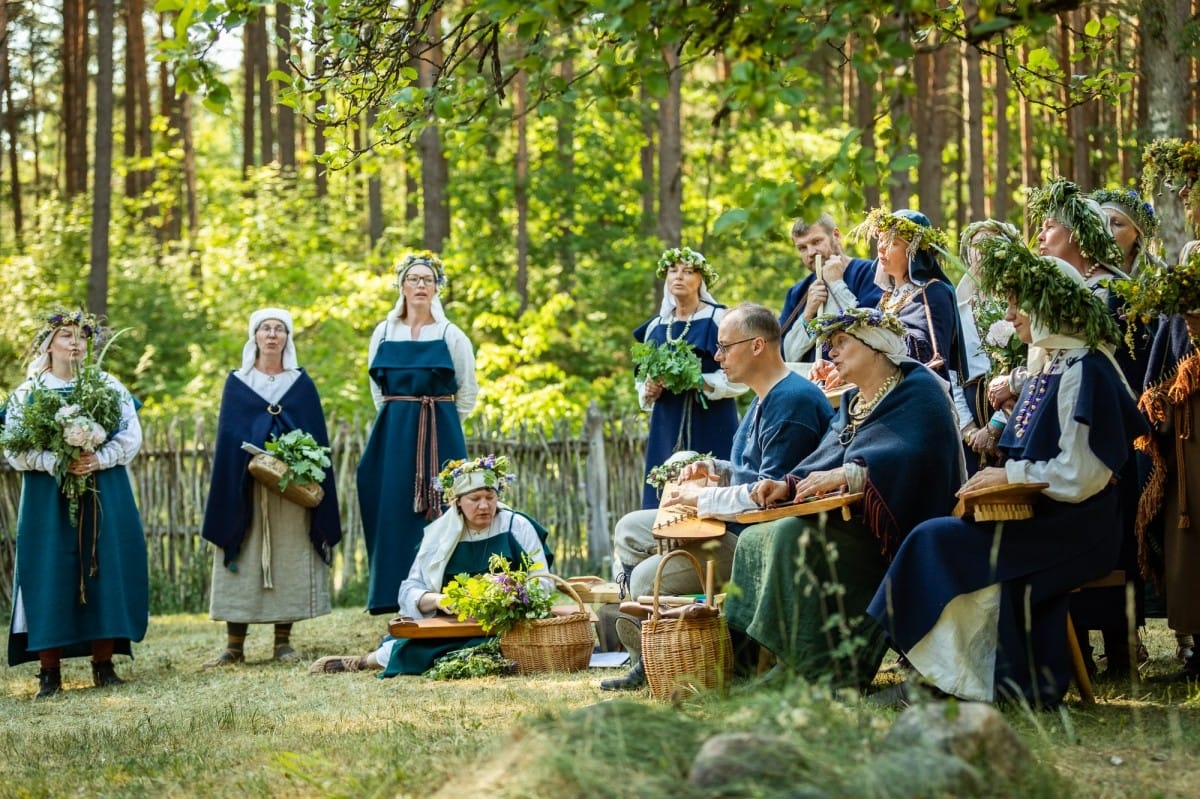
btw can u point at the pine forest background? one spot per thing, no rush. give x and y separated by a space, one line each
177 166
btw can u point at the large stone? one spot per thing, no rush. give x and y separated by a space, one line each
974 732
727 763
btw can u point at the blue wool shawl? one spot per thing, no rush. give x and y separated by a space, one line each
909 446
244 418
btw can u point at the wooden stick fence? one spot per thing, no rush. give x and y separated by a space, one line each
575 484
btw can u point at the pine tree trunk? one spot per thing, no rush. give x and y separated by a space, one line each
75 97
670 153
102 190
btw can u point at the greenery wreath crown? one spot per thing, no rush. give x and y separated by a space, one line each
1132 205
826 326
880 222
986 228
1174 162
686 255
418 258
497 474
1010 269
1162 289
1064 201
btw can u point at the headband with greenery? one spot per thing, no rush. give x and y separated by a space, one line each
90 325
1162 289
987 228
1173 161
686 255
497 474
422 258
1059 304
1064 201
825 327
1132 205
880 222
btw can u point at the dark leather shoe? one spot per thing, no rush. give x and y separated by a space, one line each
634 680
104 676
49 682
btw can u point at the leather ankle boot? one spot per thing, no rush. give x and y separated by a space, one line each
49 682
104 675
634 680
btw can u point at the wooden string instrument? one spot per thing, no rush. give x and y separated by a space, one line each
804 507
679 523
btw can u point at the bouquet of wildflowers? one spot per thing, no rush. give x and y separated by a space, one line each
500 599
998 337
68 422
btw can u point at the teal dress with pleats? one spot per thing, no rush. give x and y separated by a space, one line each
416 432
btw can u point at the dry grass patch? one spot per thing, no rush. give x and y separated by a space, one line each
267 729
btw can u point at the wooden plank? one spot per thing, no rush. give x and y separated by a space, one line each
805 507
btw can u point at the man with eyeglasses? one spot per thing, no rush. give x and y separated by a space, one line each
784 423
843 283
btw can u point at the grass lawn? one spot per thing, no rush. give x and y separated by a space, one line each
266 729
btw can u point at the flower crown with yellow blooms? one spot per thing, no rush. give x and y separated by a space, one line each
90 325
1066 202
880 222
686 255
1162 289
419 258
1132 205
1174 162
496 474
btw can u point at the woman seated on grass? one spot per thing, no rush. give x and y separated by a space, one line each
980 609
461 541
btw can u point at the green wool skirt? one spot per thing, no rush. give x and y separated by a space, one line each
802 589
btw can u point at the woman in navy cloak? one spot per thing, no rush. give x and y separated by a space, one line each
979 609
81 587
702 419
422 370
272 561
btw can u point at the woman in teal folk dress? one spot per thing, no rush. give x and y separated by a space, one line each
81 585
422 371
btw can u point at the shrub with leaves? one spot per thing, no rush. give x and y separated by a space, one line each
305 458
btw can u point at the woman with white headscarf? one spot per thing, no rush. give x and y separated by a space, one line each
422 370
272 559
463 540
704 418
979 609
892 439
81 584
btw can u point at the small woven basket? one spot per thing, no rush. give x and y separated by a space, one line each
269 470
561 643
692 652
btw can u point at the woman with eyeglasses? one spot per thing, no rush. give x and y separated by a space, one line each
422 369
271 562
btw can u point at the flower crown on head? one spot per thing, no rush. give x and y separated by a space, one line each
1174 161
1010 269
686 255
880 223
90 325
826 326
1162 289
493 471
1066 202
1132 205
987 228
422 258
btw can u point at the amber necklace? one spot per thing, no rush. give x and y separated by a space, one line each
861 408
896 298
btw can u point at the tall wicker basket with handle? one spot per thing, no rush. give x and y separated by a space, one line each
561 643
691 652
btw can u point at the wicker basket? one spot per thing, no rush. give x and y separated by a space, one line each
561 643
689 653
269 470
